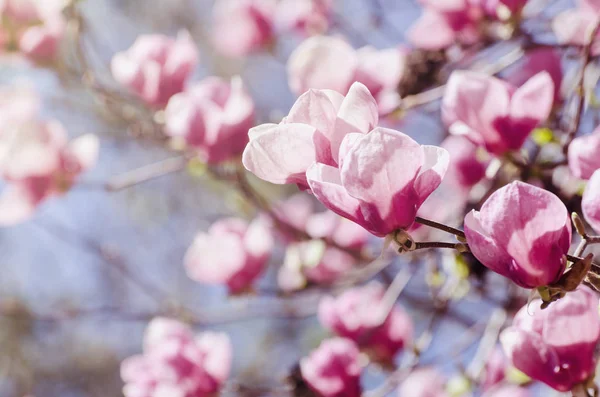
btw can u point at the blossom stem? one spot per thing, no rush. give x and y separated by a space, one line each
440 226
440 244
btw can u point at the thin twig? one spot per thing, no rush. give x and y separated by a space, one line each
440 226
146 173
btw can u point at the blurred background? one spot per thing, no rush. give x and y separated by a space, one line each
80 281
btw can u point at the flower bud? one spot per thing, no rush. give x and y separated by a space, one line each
590 203
523 233
177 363
358 314
333 369
556 345
424 382
583 155
232 252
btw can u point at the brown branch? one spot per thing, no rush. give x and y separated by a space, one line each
146 173
440 226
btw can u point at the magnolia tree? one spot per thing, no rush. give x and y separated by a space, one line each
505 210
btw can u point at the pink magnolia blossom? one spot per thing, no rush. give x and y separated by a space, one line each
467 164
556 345
37 26
543 59
493 113
232 252
495 369
328 142
38 162
424 382
590 202
241 27
307 17
583 155
369 190
574 26
213 117
523 233
175 362
359 314
446 22
156 67
333 369
316 64
507 391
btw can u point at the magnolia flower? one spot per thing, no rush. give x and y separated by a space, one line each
590 202
333 369
315 64
543 59
523 233
493 113
583 155
556 345
36 26
467 164
175 362
328 143
360 314
305 16
241 27
446 22
156 67
495 369
38 162
425 382
232 252
574 26
503 9
212 116
507 391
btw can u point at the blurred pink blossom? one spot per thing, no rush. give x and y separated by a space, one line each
307 17
424 382
574 26
37 162
583 154
494 370
556 345
232 252
175 362
241 27
523 233
493 113
467 164
447 22
590 202
36 26
156 67
213 117
504 9
333 369
316 64
359 314
536 60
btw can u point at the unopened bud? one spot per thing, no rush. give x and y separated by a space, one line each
578 223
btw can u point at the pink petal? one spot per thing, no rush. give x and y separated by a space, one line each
591 202
215 260
431 31
380 170
316 63
532 103
280 153
380 70
325 183
85 150
583 154
432 172
476 101
219 354
16 205
574 27
358 113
